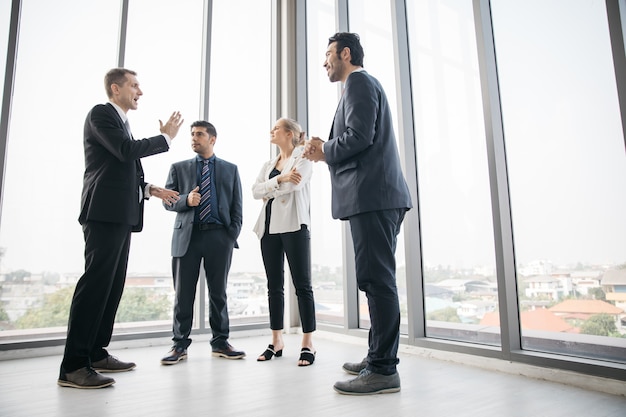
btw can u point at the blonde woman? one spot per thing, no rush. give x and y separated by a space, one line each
283 229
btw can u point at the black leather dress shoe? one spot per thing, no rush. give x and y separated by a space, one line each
112 364
228 352
174 356
85 378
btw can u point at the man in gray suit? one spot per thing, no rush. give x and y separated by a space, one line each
368 190
208 222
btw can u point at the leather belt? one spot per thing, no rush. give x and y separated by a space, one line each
207 226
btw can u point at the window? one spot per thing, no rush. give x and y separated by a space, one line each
457 234
239 107
567 174
41 240
372 21
326 233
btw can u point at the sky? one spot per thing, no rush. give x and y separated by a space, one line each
565 149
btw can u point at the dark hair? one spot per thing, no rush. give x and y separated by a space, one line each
116 76
210 129
351 41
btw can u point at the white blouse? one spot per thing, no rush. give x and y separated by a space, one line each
291 206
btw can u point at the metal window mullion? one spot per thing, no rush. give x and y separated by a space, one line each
350 289
7 96
498 179
406 136
204 115
616 14
121 44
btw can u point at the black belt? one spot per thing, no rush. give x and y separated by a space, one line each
207 226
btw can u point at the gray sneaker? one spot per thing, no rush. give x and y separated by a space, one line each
368 383
354 368
85 378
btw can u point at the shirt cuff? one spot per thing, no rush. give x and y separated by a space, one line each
146 191
167 138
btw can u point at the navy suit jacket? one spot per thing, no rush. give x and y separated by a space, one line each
362 154
113 173
183 178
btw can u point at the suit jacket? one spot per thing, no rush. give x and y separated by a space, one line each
183 178
113 173
291 206
362 153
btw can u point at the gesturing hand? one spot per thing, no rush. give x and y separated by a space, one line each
193 198
169 197
173 124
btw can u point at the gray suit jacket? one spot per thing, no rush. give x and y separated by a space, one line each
183 178
362 154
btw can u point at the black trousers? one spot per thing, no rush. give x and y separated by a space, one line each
297 247
97 294
215 247
375 236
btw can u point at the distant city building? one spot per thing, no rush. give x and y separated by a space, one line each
538 319
538 267
543 286
584 309
613 284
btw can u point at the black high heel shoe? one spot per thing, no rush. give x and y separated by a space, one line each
269 354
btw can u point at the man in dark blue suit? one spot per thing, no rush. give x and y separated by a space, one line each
208 221
368 190
112 200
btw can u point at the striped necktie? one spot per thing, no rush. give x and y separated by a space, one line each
205 192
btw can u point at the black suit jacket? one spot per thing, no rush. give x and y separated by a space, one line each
362 153
113 173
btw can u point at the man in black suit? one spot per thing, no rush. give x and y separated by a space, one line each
368 190
208 221
112 200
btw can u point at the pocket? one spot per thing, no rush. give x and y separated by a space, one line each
346 167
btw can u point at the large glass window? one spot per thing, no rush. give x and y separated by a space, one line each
457 233
567 174
372 21
326 233
59 77
240 109
167 58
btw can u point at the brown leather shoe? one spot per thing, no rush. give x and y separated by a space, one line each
174 356
228 352
84 378
112 364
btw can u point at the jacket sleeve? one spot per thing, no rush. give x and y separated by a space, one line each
305 168
115 139
236 207
173 183
360 107
263 187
